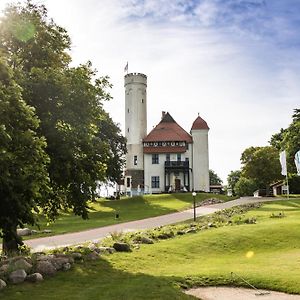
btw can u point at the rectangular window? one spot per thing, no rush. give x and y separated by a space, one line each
168 157
178 156
155 182
135 160
155 159
128 182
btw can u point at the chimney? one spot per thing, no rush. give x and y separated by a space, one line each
163 113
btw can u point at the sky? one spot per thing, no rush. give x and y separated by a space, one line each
235 62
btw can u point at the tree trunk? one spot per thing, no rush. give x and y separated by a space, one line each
11 241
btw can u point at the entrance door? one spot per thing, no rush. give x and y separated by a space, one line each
177 184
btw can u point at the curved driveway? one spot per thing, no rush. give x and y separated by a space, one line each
99 233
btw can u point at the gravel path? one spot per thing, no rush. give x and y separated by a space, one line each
99 233
230 293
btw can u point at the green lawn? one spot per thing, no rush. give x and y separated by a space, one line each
102 212
267 254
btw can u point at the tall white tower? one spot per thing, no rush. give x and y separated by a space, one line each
200 163
135 127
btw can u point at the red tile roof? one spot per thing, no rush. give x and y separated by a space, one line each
199 123
168 130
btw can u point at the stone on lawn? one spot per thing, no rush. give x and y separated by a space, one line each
2 284
76 255
122 247
35 277
17 276
45 268
92 256
23 231
23 264
66 267
146 240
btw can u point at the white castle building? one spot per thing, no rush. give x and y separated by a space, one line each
168 159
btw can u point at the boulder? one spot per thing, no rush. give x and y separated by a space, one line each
22 264
92 256
23 231
35 277
146 240
121 247
66 267
58 262
4 269
76 256
2 284
45 267
109 250
17 276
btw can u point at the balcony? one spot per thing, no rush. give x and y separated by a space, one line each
176 164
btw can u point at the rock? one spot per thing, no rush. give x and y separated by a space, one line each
58 262
45 267
191 230
76 256
2 284
17 276
121 247
181 232
4 269
46 231
23 231
146 240
109 250
23 264
66 267
92 256
35 277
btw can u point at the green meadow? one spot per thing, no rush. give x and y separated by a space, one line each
267 254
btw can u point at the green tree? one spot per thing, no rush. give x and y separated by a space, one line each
232 178
214 179
83 143
24 181
245 187
262 165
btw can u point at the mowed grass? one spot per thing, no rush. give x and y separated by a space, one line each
103 212
267 254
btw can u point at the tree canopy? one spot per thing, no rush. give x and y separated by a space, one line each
80 139
214 179
24 181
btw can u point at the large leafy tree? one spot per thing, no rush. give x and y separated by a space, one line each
214 179
83 143
24 181
232 179
262 165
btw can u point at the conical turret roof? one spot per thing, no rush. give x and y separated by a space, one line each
199 123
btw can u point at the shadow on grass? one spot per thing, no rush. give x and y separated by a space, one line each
97 280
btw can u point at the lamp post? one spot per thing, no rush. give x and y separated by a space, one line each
194 199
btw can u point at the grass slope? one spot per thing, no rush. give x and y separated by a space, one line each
267 254
102 212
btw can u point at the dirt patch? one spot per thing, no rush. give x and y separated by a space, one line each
228 293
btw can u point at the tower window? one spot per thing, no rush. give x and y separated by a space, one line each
179 157
155 159
128 110
135 160
142 100
127 129
128 181
155 182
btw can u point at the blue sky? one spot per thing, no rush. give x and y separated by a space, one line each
236 62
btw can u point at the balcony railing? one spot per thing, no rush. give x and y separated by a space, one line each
176 164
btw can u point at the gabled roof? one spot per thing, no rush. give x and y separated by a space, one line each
168 130
199 123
